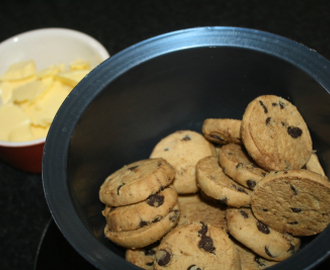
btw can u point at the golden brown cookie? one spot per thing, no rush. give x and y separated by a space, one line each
314 165
215 183
275 134
197 246
195 209
142 257
183 149
294 201
134 216
239 166
250 260
222 131
263 240
146 235
136 182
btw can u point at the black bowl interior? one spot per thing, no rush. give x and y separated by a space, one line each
126 105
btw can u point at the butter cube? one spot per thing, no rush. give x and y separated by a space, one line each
19 71
12 122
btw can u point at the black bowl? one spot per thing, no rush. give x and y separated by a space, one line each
174 81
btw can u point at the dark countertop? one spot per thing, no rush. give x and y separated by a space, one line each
117 25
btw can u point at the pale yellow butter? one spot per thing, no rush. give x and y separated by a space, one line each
19 71
30 99
71 77
12 122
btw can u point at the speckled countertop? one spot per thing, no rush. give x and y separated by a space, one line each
117 25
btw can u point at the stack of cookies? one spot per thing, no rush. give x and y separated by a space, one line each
240 195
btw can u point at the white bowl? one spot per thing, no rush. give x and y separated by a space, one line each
45 46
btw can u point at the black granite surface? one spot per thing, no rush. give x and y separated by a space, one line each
119 24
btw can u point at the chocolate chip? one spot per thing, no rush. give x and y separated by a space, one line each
206 243
133 168
294 132
149 252
263 227
263 174
186 138
268 253
239 165
293 223
243 213
156 220
282 105
217 138
257 258
193 267
265 210
163 257
150 263
251 184
143 223
274 104
166 149
283 124
155 200
240 189
296 210
268 120
294 190
263 105
203 230
292 248
120 188
174 214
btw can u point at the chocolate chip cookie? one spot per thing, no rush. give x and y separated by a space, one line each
134 216
197 246
142 257
196 208
222 131
215 183
146 235
183 149
263 240
275 134
314 165
250 260
136 182
239 166
294 201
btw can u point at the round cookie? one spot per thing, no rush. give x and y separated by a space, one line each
222 130
197 246
236 163
183 149
134 216
275 134
142 257
263 240
197 210
250 260
215 183
294 201
147 234
314 165
136 182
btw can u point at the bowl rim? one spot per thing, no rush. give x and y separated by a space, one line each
55 160
49 31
